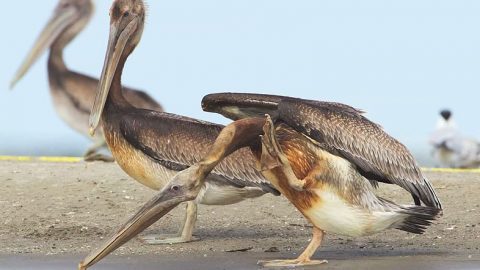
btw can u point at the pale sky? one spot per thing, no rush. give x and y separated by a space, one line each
401 61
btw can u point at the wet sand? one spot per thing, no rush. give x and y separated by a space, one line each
55 213
247 261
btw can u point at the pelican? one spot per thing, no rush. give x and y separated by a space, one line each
450 148
325 158
73 93
153 146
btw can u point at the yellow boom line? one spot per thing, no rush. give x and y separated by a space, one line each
42 159
450 170
79 159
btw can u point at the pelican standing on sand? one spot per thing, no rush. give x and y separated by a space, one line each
450 148
73 93
326 158
153 146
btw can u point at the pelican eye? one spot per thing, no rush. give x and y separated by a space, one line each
175 188
126 14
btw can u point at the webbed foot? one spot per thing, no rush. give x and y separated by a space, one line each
98 157
290 263
167 239
270 158
273 157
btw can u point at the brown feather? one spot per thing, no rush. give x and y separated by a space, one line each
345 131
339 129
175 142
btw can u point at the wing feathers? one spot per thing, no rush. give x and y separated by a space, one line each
339 129
178 142
359 140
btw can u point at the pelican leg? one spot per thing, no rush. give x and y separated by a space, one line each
273 156
185 234
305 258
92 155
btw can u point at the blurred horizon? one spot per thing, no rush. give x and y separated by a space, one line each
401 61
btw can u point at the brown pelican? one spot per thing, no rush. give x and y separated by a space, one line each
73 93
450 148
326 158
153 146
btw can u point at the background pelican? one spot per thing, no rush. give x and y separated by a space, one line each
73 93
326 158
450 148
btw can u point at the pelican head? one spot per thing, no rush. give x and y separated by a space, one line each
127 19
69 18
185 186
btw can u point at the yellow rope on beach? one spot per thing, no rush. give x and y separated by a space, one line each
79 159
451 170
42 159
61 159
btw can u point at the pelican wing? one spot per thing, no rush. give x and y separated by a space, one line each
177 142
339 129
345 131
237 106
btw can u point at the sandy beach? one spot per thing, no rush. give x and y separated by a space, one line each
55 213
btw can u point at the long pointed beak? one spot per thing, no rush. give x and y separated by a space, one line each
54 28
152 211
116 45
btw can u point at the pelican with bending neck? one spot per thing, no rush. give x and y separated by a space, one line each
326 158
